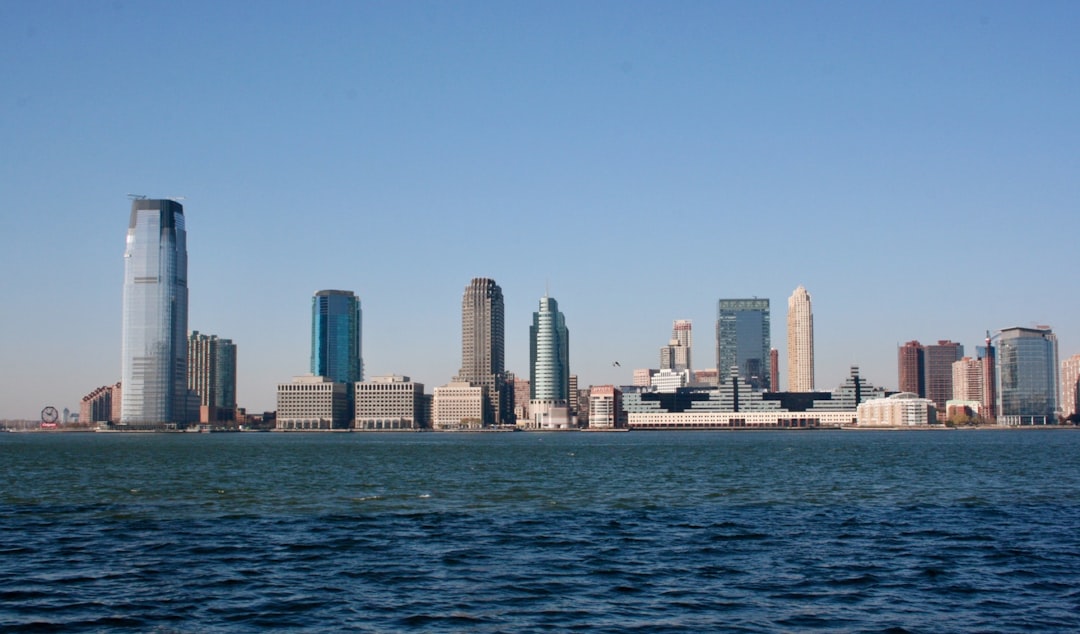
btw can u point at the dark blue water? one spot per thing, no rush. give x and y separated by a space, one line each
653 532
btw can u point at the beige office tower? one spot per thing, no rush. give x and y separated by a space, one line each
482 347
800 335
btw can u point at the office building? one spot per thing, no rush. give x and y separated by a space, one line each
911 368
549 365
800 342
336 333
155 314
483 345
605 409
212 376
311 403
676 355
938 360
743 338
1070 387
1027 366
389 403
459 405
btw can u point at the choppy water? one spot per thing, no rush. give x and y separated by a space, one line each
689 532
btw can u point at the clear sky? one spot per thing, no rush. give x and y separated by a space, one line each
915 165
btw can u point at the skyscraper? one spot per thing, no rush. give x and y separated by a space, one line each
155 312
336 331
483 346
743 340
938 360
676 355
1070 386
1027 366
911 368
212 376
549 353
967 380
800 333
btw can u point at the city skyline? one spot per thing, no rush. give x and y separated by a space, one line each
402 149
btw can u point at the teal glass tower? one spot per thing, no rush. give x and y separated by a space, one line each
335 336
549 353
155 315
743 340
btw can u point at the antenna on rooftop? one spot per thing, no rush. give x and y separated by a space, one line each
137 196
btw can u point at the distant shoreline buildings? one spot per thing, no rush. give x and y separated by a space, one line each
172 379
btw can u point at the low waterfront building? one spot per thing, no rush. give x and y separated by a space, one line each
389 403
905 409
458 405
605 411
312 403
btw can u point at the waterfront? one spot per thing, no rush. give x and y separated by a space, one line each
663 531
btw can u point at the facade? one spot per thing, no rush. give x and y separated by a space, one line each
707 378
311 403
212 376
938 371
1027 366
522 390
800 333
677 354
155 314
774 370
743 336
336 333
910 368
899 410
459 405
101 405
1070 387
967 382
643 377
670 380
483 346
389 403
605 410
549 364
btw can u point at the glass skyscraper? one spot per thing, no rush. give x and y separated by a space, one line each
549 353
1027 364
155 314
336 331
743 340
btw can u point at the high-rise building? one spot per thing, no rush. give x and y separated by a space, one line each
743 338
101 405
800 342
212 376
549 363
911 368
336 333
774 370
938 362
676 355
1027 366
967 380
483 346
1070 386
155 313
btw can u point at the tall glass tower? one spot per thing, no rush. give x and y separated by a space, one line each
335 336
155 314
549 353
743 340
1027 366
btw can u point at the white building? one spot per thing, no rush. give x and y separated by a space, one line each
967 379
312 402
605 407
800 330
670 380
387 403
458 405
899 410
705 419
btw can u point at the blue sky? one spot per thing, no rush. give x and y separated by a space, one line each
913 164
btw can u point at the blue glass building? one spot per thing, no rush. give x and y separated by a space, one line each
155 314
1027 364
743 340
335 336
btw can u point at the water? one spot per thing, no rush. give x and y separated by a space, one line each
653 532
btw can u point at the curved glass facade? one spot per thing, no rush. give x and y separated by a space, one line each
1027 376
549 353
155 312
